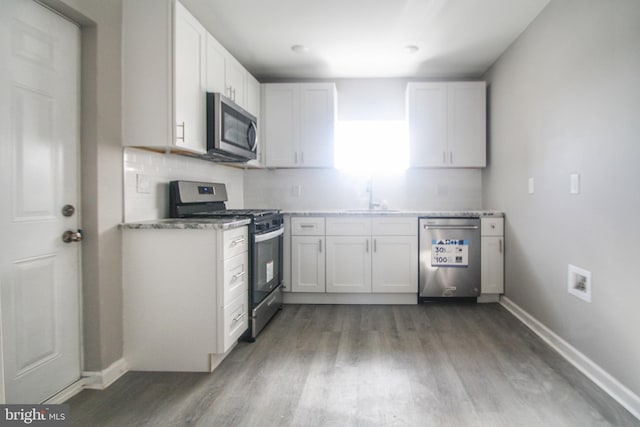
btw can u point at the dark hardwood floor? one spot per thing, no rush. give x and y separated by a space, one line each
315 365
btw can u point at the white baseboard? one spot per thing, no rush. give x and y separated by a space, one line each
90 380
103 379
613 387
339 298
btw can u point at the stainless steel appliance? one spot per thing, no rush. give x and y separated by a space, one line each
232 132
449 259
190 199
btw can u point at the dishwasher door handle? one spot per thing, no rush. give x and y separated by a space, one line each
451 227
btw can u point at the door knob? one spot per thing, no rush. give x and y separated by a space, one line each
72 236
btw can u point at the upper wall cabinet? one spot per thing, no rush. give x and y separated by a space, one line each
228 77
298 124
169 63
447 124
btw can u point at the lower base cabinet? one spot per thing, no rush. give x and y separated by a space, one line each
348 264
308 263
492 256
185 295
395 264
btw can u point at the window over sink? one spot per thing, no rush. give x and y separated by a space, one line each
372 147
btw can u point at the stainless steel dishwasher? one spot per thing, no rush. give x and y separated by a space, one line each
449 259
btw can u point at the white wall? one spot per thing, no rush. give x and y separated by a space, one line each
158 169
565 98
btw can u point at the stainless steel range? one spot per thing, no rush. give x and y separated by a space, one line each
190 199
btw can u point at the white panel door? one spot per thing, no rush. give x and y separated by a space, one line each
348 264
39 273
307 264
395 264
215 66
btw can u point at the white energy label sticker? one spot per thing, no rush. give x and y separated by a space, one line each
269 271
449 253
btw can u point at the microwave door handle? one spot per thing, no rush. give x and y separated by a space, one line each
253 126
262 237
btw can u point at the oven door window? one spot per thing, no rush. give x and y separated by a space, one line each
267 267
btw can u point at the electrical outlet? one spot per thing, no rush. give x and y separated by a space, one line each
579 283
143 184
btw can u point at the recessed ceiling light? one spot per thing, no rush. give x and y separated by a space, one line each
411 48
298 48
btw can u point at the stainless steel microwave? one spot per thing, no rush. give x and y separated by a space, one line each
232 132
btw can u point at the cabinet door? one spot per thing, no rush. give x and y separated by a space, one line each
253 96
427 113
281 112
307 264
215 65
348 264
190 69
395 264
467 124
235 79
233 323
317 122
492 265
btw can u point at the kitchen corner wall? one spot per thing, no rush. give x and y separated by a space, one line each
328 189
147 175
565 99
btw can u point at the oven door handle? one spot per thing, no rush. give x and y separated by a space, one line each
270 235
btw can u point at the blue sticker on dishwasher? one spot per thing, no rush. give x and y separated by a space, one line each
449 253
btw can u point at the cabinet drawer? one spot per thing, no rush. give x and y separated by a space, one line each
394 226
234 322
307 226
235 278
235 242
348 226
492 226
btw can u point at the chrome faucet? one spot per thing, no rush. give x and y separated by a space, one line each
372 205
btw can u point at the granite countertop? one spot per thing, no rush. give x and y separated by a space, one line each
365 212
186 224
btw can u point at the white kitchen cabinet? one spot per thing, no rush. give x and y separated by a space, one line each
299 121
447 124
190 81
492 256
395 264
395 254
227 76
308 263
308 254
216 63
185 297
170 61
349 264
163 77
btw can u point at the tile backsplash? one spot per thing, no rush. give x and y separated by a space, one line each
328 189
147 175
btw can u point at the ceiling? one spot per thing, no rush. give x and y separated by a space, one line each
366 38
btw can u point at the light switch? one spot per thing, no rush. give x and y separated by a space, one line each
530 185
574 186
